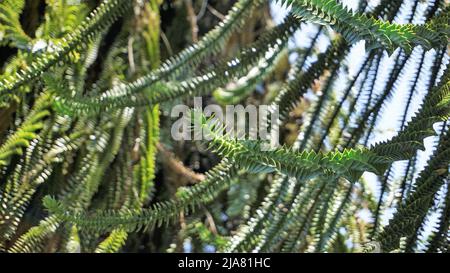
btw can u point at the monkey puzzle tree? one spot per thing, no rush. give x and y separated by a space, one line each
87 162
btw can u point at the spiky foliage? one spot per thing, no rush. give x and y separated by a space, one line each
87 162
98 20
375 32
